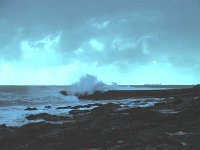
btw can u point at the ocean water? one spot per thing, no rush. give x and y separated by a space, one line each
15 99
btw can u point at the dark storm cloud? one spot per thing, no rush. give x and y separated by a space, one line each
118 32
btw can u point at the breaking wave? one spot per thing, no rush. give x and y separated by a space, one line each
88 84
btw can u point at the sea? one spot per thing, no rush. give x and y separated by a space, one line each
14 100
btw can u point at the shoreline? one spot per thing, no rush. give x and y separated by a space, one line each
123 94
173 124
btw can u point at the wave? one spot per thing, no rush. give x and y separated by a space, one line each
7 103
88 84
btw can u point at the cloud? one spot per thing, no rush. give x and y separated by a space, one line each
96 45
102 25
120 38
121 44
114 49
42 52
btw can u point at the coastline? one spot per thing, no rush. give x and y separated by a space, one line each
122 94
172 125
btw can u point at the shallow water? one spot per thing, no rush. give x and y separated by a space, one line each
15 99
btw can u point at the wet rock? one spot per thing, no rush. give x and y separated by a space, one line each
65 107
86 106
178 133
77 107
5 132
30 109
167 111
47 117
107 108
48 107
92 105
112 127
64 93
78 112
3 126
123 94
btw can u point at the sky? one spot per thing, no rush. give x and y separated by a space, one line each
55 42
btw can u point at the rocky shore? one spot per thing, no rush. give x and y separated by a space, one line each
171 125
123 94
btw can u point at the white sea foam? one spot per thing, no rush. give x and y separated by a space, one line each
87 84
15 99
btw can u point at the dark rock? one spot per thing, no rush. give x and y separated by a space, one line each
30 109
66 107
77 107
64 93
47 117
123 94
85 106
76 112
48 107
111 126
3 126
5 132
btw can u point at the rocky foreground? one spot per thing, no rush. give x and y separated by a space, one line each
171 125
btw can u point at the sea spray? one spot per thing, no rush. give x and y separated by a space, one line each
88 84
